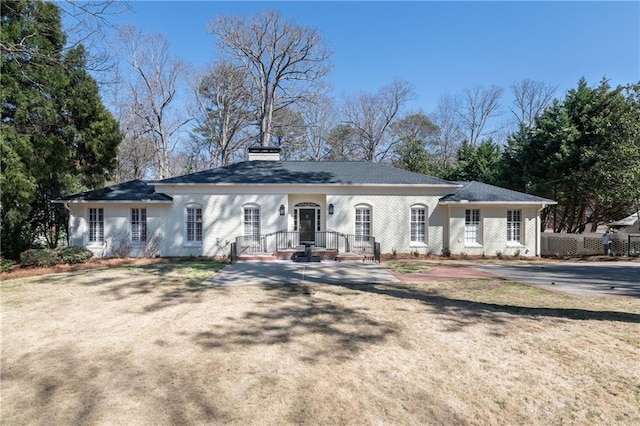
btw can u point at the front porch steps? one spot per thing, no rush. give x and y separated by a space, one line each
289 254
323 254
261 257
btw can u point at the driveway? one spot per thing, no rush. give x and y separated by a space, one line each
287 272
584 279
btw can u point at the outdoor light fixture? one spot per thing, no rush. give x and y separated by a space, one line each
330 208
281 209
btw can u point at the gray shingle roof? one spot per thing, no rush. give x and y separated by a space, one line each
306 172
135 190
482 192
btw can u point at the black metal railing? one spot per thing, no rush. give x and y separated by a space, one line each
297 240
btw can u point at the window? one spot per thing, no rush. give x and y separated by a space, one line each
472 227
418 225
514 226
318 220
363 223
295 219
194 225
138 225
251 221
96 225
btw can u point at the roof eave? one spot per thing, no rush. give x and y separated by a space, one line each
113 201
394 185
468 202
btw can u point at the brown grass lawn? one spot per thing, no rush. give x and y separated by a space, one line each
145 344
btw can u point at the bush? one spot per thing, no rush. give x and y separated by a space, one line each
6 264
47 257
72 255
38 257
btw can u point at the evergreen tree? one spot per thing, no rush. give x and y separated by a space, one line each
583 152
480 162
56 135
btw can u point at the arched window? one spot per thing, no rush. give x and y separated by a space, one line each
363 222
193 223
418 224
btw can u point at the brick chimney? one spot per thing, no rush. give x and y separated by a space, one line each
264 153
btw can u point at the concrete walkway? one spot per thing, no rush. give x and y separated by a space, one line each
287 272
583 279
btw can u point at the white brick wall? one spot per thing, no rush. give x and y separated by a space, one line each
493 236
116 225
390 217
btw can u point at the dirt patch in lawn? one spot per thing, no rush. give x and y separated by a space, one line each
147 345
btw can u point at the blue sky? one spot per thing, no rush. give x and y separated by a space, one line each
438 47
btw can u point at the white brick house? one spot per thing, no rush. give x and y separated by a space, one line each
271 207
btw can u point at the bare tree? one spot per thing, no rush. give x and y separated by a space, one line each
86 23
476 107
531 98
450 134
319 118
284 61
418 127
153 87
223 101
371 116
289 134
342 145
135 156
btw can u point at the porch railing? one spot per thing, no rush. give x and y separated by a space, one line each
295 240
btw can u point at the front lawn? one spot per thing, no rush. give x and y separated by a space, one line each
147 345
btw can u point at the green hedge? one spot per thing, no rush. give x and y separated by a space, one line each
74 254
6 264
48 257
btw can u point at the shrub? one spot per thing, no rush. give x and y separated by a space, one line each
152 248
73 254
446 252
122 247
38 257
6 264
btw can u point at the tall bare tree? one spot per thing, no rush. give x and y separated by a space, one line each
477 105
153 86
319 117
450 134
284 61
289 134
371 116
223 101
531 98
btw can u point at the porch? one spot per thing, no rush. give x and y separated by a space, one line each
289 245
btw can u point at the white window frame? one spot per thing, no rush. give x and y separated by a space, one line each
472 228
138 225
193 228
514 227
362 223
251 225
95 226
418 225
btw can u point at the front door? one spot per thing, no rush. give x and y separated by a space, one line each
307 225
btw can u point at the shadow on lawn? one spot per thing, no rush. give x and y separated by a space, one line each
291 315
472 309
62 386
